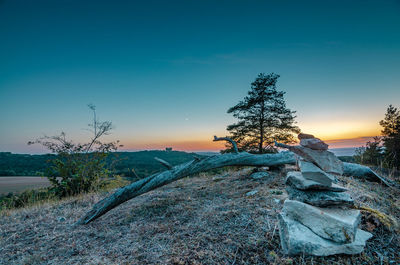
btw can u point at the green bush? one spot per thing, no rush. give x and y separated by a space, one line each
76 173
77 167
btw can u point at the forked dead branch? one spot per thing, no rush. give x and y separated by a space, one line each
203 164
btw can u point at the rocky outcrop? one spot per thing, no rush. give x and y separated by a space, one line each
320 198
314 143
315 220
325 160
336 224
297 239
296 180
312 172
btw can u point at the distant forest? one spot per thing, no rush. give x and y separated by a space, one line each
127 164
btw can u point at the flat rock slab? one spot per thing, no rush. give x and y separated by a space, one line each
312 172
297 239
296 180
320 198
325 160
339 225
314 143
251 193
259 175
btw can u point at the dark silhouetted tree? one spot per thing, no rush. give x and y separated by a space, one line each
371 154
391 137
262 117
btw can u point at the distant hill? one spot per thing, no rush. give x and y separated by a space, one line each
130 164
348 151
142 163
23 164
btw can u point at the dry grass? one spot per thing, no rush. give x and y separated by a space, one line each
201 220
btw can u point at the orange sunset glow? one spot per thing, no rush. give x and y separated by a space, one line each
337 135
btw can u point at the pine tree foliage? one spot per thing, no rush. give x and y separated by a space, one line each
262 117
371 153
391 136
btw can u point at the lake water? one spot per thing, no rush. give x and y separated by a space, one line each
18 184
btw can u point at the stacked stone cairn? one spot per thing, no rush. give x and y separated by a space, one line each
316 219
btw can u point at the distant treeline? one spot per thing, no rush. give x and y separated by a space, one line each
22 164
127 164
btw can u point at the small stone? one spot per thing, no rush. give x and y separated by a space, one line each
259 175
220 177
314 143
339 225
312 172
320 198
325 160
305 136
251 193
61 219
297 239
296 180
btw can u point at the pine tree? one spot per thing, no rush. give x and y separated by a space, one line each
371 153
262 117
391 136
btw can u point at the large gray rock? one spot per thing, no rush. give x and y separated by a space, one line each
320 198
312 172
314 143
325 160
339 225
296 180
297 239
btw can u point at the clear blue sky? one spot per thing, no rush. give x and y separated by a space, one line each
165 72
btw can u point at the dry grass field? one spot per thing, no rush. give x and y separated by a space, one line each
207 219
18 184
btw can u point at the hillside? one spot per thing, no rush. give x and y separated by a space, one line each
142 162
207 219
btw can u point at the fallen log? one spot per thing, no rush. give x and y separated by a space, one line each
180 171
364 172
199 165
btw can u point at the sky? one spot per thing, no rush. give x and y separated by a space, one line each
166 72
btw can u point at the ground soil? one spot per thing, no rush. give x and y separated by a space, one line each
206 219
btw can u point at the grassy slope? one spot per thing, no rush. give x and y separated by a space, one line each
201 220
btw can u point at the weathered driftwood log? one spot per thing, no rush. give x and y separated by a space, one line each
364 172
234 145
199 165
180 171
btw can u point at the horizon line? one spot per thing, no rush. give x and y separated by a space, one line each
205 146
